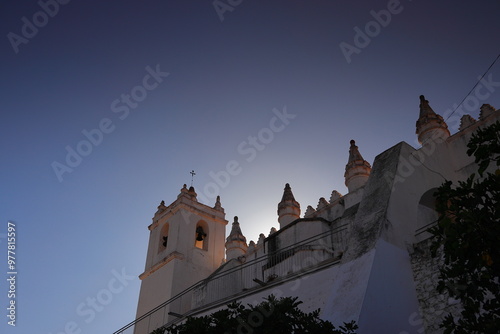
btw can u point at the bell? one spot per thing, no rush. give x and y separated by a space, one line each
200 234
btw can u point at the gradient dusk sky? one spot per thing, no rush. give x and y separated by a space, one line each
275 88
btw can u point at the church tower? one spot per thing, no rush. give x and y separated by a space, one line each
186 244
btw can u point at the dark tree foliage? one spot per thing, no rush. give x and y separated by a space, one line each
468 235
269 317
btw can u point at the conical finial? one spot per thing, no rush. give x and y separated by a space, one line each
287 194
425 108
357 169
236 233
192 193
217 205
184 192
236 243
354 154
188 193
430 126
161 207
288 208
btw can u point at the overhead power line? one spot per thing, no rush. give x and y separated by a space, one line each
481 78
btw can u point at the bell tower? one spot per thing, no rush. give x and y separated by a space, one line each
186 244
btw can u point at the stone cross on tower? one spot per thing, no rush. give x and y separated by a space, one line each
192 176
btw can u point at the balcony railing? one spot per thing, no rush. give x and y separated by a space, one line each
227 284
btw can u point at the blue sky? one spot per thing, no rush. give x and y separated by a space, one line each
100 68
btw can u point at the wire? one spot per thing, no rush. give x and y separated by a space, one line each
481 78
473 87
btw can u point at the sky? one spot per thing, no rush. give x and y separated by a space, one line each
106 107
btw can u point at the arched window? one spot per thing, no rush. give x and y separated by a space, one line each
427 215
163 242
201 235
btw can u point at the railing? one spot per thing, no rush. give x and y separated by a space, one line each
282 264
423 233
